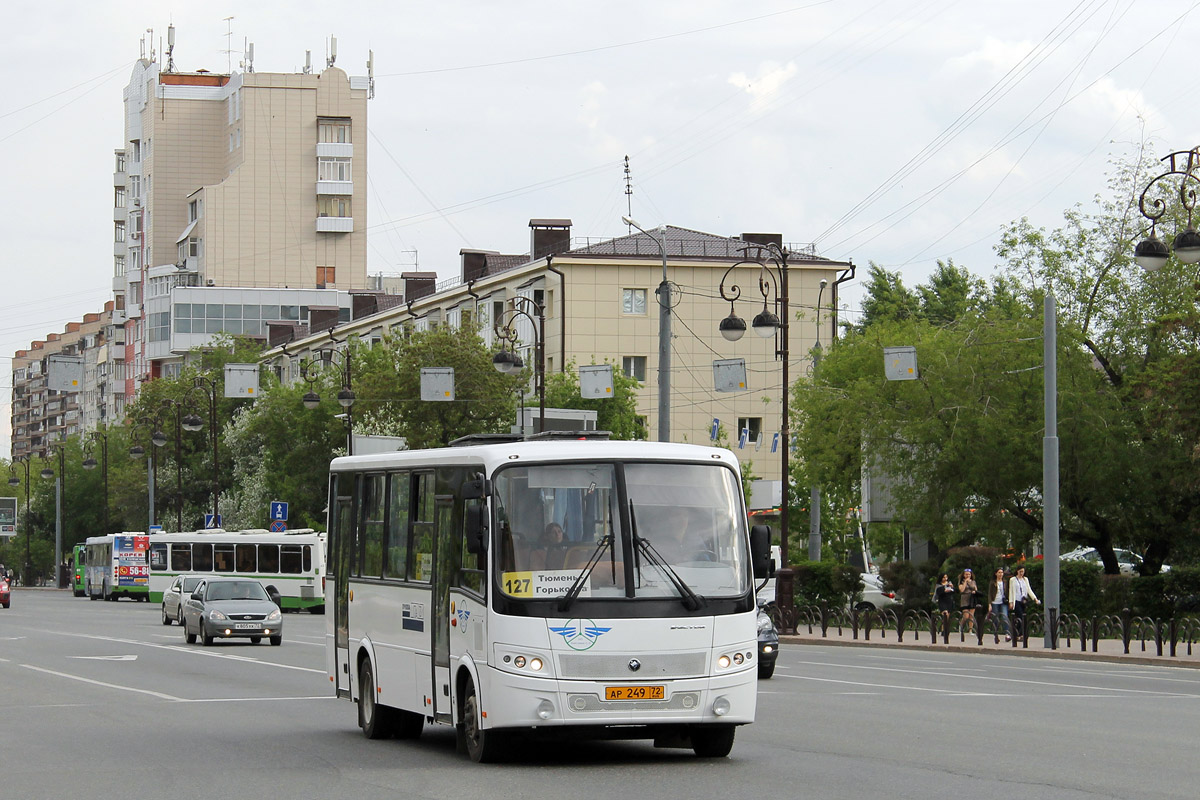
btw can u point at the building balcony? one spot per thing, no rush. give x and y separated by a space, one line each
335 187
335 150
335 224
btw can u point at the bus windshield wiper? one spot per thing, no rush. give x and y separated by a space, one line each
577 586
691 600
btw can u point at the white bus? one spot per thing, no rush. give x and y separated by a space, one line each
289 564
117 566
451 606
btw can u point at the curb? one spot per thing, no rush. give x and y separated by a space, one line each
1186 662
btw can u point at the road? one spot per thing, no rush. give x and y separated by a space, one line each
100 698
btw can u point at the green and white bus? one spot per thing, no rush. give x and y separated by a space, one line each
79 570
117 566
290 564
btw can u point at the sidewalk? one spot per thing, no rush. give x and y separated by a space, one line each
1111 650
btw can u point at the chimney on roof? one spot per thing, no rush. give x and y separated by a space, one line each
474 264
322 318
764 239
418 284
548 237
363 304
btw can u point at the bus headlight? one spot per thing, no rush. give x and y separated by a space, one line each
535 664
720 706
723 662
545 709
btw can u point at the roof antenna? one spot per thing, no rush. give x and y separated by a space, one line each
628 195
250 57
151 37
229 45
308 62
370 74
332 57
171 48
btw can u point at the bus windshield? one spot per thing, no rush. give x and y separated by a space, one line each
638 530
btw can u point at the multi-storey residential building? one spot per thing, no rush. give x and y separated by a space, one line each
252 180
42 415
599 305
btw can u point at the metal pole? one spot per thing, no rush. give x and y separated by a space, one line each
212 428
349 408
104 468
664 348
150 484
785 443
541 366
178 470
814 500
1050 548
58 511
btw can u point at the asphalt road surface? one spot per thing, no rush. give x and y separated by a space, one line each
100 699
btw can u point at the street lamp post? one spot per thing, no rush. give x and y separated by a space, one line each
159 439
192 422
59 451
664 334
814 505
509 362
1152 253
13 480
345 396
767 323
137 451
89 463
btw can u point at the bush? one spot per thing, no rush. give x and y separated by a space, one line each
983 561
1116 594
1183 585
1150 597
825 584
912 584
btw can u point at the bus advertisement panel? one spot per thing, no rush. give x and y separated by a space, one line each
129 556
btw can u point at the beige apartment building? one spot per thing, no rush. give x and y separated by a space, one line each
45 411
250 180
599 305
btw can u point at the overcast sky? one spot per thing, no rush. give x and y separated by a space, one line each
885 131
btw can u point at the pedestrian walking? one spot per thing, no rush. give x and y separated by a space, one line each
997 595
1020 594
943 595
967 592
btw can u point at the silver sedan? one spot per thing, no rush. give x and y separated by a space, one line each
227 608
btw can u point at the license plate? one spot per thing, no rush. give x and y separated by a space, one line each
634 692
246 626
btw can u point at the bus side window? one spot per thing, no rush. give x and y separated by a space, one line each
245 559
291 560
423 526
371 526
223 558
202 557
268 558
181 557
396 565
158 556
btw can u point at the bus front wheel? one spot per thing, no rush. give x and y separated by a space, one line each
374 719
482 746
712 741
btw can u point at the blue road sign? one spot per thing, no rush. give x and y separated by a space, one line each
279 510
156 528
715 428
212 520
775 443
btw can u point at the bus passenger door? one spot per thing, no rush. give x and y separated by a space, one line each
443 575
338 571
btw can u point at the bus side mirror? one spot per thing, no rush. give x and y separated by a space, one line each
760 552
475 528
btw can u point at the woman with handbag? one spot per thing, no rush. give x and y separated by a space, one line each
1020 594
967 591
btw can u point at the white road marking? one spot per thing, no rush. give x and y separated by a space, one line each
107 658
190 650
81 679
929 673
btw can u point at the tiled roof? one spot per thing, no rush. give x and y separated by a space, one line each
680 242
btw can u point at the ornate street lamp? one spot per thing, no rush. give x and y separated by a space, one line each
1152 253
89 463
345 396
192 422
507 361
159 439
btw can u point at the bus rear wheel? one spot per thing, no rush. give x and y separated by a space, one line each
374 719
712 741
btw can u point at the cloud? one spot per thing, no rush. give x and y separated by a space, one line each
770 79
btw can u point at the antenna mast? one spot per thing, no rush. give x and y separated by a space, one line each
332 57
628 195
171 48
229 45
370 74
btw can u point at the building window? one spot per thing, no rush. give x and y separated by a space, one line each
753 424
119 231
135 223
326 276
135 186
634 367
333 206
189 248
633 301
118 266
120 162
333 169
135 261
193 210
333 130
137 151
135 293
119 197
